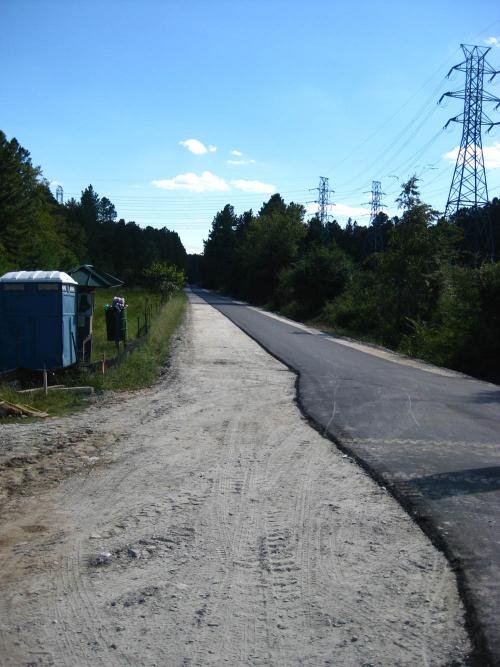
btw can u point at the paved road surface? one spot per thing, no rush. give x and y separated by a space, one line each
431 435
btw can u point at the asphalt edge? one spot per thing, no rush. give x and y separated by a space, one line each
481 654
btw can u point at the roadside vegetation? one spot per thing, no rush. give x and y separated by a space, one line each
36 231
140 369
417 283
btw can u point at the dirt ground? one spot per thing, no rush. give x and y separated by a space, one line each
205 522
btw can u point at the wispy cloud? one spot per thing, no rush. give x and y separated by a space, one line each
209 182
240 162
491 155
241 159
349 211
493 41
341 210
206 182
197 147
253 186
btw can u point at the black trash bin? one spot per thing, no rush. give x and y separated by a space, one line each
116 324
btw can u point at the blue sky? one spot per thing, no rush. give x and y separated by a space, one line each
173 109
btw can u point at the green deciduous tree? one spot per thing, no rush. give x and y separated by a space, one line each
318 276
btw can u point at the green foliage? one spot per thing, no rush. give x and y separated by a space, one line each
141 368
410 273
139 302
449 331
123 249
38 233
245 255
219 250
413 283
356 310
271 242
32 228
318 276
163 278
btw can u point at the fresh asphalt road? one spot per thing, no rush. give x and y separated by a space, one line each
431 435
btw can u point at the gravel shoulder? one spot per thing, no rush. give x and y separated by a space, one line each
203 521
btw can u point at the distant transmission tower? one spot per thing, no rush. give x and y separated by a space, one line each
59 195
374 239
376 203
323 200
468 187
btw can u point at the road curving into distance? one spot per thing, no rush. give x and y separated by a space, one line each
429 434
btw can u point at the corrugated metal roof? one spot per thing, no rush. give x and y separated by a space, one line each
37 277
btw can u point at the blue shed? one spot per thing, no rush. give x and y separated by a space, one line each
37 320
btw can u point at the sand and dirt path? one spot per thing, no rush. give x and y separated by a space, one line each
207 523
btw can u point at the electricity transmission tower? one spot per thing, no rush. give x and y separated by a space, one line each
59 195
374 238
468 187
323 200
376 203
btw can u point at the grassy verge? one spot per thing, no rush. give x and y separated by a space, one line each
138 302
54 403
139 370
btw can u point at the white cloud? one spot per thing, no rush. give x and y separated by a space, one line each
236 153
341 210
493 41
349 211
240 162
451 156
208 182
253 186
191 182
197 147
491 155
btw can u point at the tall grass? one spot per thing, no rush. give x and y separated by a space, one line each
138 302
140 369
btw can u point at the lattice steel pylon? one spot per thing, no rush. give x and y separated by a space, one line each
374 239
323 200
59 195
376 202
468 187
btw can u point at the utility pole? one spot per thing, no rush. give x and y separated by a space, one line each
59 195
323 200
468 187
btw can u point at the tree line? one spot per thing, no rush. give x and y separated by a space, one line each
36 232
417 282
